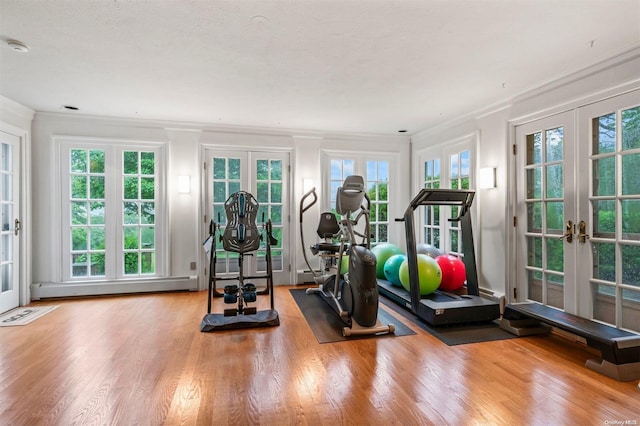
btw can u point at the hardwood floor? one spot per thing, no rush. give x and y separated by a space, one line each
130 360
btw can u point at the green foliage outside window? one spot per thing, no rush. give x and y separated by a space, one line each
87 194
379 196
139 186
605 211
88 205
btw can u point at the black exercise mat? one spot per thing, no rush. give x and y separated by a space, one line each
327 326
454 335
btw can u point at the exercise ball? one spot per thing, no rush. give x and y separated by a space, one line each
453 272
428 249
429 274
383 252
344 266
392 269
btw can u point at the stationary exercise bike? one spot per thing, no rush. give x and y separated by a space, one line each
353 295
241 235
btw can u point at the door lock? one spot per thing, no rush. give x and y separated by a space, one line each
568 233
582 232
17 226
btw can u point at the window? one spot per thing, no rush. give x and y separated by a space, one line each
340 169
432 213
448 166
377 181
110 216
138 201
459 176
376 173
87 204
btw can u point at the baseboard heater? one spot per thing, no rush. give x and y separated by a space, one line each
94 288
305 276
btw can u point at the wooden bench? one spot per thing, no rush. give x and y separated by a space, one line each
620 350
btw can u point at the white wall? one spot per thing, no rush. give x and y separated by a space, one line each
185 142
185 145
494 230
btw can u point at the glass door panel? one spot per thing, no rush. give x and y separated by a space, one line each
224 177
9 234
545 217
270 183
610 289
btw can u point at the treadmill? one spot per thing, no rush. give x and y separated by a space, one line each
443 308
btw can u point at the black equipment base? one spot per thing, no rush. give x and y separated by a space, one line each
350 325
329 327
441 308
220 322
620 349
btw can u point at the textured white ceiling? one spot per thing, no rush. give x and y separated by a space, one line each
365 66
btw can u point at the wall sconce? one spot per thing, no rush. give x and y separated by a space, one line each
487 178
184 184
307 185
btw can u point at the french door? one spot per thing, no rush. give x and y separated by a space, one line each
578 211
9 234
546 212
610 133
266 176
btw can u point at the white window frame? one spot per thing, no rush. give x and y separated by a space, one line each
114 269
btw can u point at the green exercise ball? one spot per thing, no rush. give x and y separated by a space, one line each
383 252
344 266
429 274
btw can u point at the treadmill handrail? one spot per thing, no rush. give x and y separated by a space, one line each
441 197
444 197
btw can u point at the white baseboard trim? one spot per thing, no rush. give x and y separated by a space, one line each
496 296
95 288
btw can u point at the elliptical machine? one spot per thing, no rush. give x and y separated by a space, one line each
354 295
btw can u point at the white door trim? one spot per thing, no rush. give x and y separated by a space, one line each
12 224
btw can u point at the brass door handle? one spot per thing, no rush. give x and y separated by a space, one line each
568 233
582 232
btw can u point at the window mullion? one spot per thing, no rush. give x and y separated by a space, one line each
114 208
